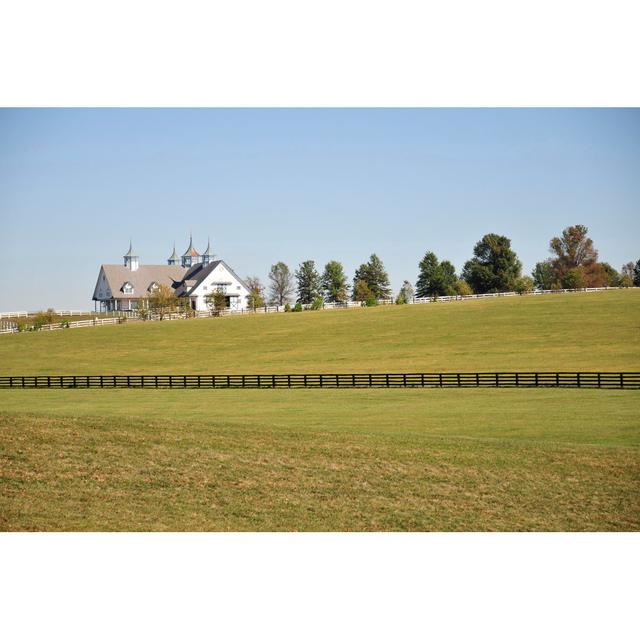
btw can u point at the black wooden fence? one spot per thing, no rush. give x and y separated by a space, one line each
589 380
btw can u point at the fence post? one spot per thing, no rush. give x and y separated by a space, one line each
458 375
622 380
440 378
598 380
578 379
517 379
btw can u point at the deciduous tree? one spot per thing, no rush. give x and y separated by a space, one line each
362 293
255 297
281 287
216 300
495 266
543 276
162 301
573 250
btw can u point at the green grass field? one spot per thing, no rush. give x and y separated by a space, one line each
311 459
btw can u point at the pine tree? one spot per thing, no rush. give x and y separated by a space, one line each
435 278
375 276
309 285
334 282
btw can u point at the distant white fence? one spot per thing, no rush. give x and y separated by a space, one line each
58 312
7 326
475 296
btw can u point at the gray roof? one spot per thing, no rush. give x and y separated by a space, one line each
117 275
196 274
174 255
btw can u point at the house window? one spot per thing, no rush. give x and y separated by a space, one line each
153 286
127 288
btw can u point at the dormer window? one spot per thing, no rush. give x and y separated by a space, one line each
152 287
127 287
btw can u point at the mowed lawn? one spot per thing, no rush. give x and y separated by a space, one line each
312 459
398 459
584 331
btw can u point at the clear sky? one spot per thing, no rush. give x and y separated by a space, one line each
296 184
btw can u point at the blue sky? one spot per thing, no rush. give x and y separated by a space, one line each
297 184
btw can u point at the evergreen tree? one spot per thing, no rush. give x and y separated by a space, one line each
375 276
334 282
636 274
495 266
309 286
435 278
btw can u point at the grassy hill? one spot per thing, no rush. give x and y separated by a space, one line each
311 459
587 331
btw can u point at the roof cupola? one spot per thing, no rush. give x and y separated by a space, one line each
190 256
131 259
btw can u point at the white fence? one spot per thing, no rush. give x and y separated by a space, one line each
6 326
475 296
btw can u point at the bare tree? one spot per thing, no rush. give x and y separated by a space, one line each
281 287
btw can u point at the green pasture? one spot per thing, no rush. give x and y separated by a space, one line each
583 331
314 459
396 459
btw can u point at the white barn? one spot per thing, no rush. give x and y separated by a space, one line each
123 287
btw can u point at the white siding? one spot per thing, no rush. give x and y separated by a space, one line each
219 276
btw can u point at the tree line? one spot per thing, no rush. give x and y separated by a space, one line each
493 268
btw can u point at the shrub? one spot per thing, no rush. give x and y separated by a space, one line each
463 288
287 308
370 302
317 304
626 281
523 285
297 308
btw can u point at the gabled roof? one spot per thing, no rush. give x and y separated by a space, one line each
117 275
194 277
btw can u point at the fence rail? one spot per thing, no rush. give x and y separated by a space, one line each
587 380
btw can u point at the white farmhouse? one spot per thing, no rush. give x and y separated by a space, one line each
122 287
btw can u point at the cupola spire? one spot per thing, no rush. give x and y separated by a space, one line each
131 258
